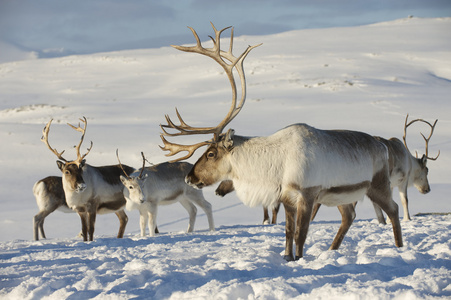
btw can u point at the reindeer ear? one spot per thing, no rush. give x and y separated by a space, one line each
228 139
60 165
424 160
123 179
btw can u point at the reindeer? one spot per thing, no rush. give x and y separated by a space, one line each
162 184
405 169
298 165
90 190
226 187
49 194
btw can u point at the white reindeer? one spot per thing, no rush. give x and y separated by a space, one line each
163 184
405 169
298 165
90 190
49 194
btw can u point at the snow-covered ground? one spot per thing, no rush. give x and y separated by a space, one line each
362 78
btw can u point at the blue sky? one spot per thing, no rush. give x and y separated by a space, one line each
57 27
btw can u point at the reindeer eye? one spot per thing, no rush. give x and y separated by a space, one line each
211 154
130 187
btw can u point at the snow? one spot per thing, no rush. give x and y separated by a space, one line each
362 78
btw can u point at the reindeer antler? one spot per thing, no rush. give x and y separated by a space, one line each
77 148
45 139
122 168
142 168
120 164
425 139
218 55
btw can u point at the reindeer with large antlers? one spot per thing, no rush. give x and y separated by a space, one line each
90 190
298 165
405 169
162 184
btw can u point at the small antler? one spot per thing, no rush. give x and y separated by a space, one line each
77 148
45 139
122 168
142 168
120 164
218 55
425 139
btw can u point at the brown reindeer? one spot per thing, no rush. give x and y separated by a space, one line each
90 190
298 165
49 194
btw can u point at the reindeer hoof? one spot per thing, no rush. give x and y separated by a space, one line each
288 257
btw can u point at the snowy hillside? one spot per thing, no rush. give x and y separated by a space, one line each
363 78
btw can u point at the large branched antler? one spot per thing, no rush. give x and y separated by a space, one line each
425 139
77 148
78 161
45 139
228 62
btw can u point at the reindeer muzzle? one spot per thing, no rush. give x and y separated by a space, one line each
80 187
426 190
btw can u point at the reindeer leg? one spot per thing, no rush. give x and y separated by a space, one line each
123 219
197 197
289 231
144 220
38 221
347 217
405 203
391 210
381 195
304 214
379 214
152 213
38 224
91 224
265 215
84 225
275 211
315 211
192 212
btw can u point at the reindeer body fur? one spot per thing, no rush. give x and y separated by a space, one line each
300 156
51 187
103 192
163 184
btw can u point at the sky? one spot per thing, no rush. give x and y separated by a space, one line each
52 28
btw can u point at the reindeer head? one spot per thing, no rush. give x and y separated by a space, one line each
205 171
72 170
419 172
134 184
